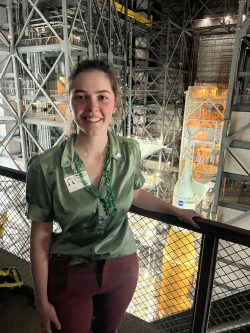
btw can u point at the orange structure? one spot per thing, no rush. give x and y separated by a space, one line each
203 121
178 266
61 91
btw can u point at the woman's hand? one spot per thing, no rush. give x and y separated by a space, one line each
148 201
47 314
186 216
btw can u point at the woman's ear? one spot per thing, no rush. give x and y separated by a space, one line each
114 109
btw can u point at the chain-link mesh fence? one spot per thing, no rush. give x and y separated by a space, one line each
230 307
168 257
168 271
14 242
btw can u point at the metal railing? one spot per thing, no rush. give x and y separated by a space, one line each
190 281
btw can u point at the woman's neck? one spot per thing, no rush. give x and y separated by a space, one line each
91 145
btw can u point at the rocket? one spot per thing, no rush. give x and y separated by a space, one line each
179 254
188 192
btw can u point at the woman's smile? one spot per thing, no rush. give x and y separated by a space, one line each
92 119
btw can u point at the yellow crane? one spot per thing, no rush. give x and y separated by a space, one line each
121 8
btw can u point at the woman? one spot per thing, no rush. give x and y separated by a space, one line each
85 276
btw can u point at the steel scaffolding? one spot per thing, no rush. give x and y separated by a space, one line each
39 45
232 191
151 47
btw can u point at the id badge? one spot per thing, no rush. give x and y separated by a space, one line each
74 182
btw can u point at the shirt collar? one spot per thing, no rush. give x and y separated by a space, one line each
69 149
115 151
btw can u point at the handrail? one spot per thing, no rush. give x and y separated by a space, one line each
208 227
12 173
212 232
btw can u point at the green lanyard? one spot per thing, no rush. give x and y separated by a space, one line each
108 200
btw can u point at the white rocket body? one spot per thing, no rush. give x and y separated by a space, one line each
184 194
188 193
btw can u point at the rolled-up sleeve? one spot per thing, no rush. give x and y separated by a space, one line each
38 195
139 178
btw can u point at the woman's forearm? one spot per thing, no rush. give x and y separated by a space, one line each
146 200
41 233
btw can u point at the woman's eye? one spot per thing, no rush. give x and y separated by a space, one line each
103 98
79 97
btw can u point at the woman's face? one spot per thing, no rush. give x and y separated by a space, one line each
92 102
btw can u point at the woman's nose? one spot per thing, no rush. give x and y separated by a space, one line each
92 104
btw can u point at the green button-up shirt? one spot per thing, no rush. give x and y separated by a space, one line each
87 233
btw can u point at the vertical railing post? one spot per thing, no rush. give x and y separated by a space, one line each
204 284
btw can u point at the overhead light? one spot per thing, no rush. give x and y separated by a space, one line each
227 18
206 21
244 17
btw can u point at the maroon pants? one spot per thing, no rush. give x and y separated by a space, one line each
92 297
